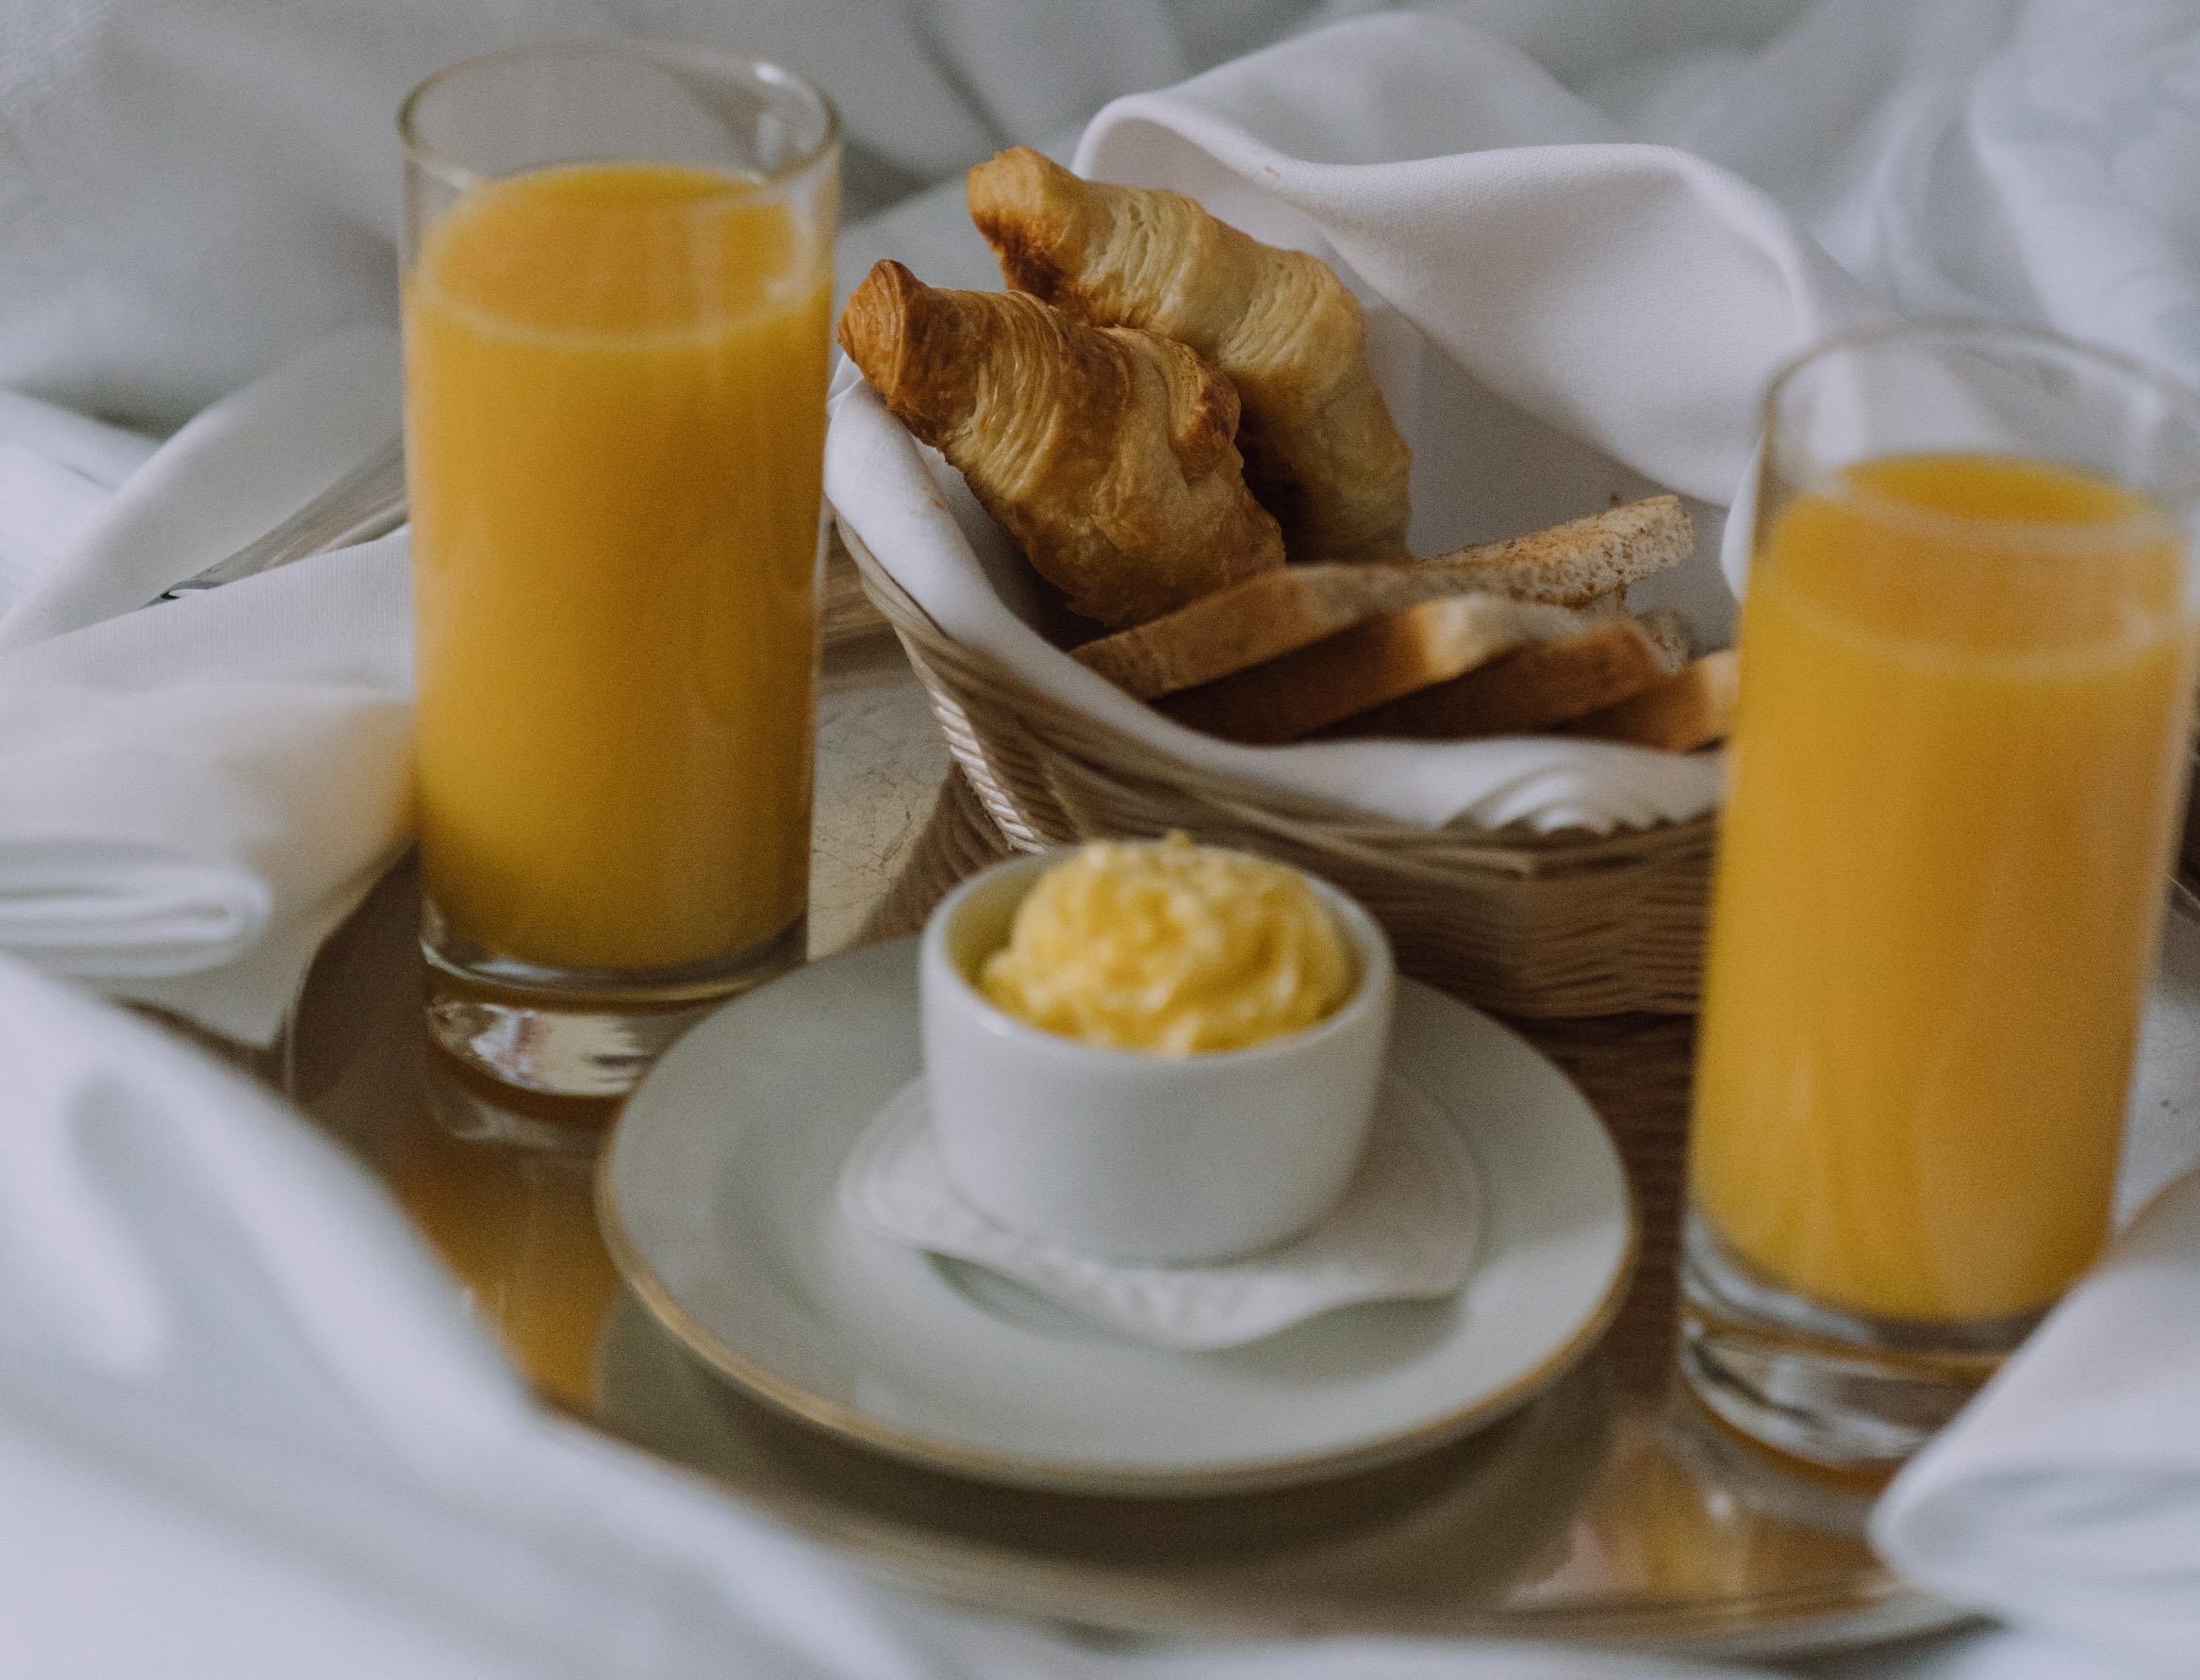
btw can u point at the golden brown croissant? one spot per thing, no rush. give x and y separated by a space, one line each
1106 455
1320 448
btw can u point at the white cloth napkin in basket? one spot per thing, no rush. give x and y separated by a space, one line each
1601 314
1598 317
915 514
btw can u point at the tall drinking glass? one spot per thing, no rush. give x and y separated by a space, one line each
1967 668
618 268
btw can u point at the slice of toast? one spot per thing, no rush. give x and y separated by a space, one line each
1534 687
1377 660
1692 708
1266 617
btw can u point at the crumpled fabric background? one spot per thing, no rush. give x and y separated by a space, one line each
192 190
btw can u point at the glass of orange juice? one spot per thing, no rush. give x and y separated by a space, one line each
617 289
1967 669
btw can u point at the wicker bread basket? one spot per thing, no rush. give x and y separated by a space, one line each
1529 925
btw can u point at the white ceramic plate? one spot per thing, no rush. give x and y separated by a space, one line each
716 1193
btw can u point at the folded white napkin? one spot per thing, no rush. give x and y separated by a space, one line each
193 794
2066 1498
246 1434
1405 1229
233 473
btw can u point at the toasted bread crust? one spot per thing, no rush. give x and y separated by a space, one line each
1692 708
1579 564
1531 688
1377 660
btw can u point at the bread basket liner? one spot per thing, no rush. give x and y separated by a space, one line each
1528 924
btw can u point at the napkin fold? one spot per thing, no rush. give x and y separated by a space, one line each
58 472
193 794
234 470
2066 1498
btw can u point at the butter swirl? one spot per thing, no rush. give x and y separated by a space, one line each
1169 948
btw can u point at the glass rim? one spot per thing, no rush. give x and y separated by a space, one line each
2155 520
695 55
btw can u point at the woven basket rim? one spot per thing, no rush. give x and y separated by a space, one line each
1577 848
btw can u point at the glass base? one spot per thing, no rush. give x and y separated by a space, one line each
1844 1391
542 1057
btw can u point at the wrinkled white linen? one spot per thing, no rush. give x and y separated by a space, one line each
57 471
246 1432
193 795
236 470
192 190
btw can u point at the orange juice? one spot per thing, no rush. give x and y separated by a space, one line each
519 1229
616 416
1964 703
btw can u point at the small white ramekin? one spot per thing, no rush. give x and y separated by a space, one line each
1133 1156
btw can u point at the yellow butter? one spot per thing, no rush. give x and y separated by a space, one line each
1169 948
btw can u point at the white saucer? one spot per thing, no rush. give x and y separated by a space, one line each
717 1197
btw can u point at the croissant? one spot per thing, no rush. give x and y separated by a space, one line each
1321 451
1106 455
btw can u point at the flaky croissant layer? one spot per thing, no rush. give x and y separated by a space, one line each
1321 450
1108 455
